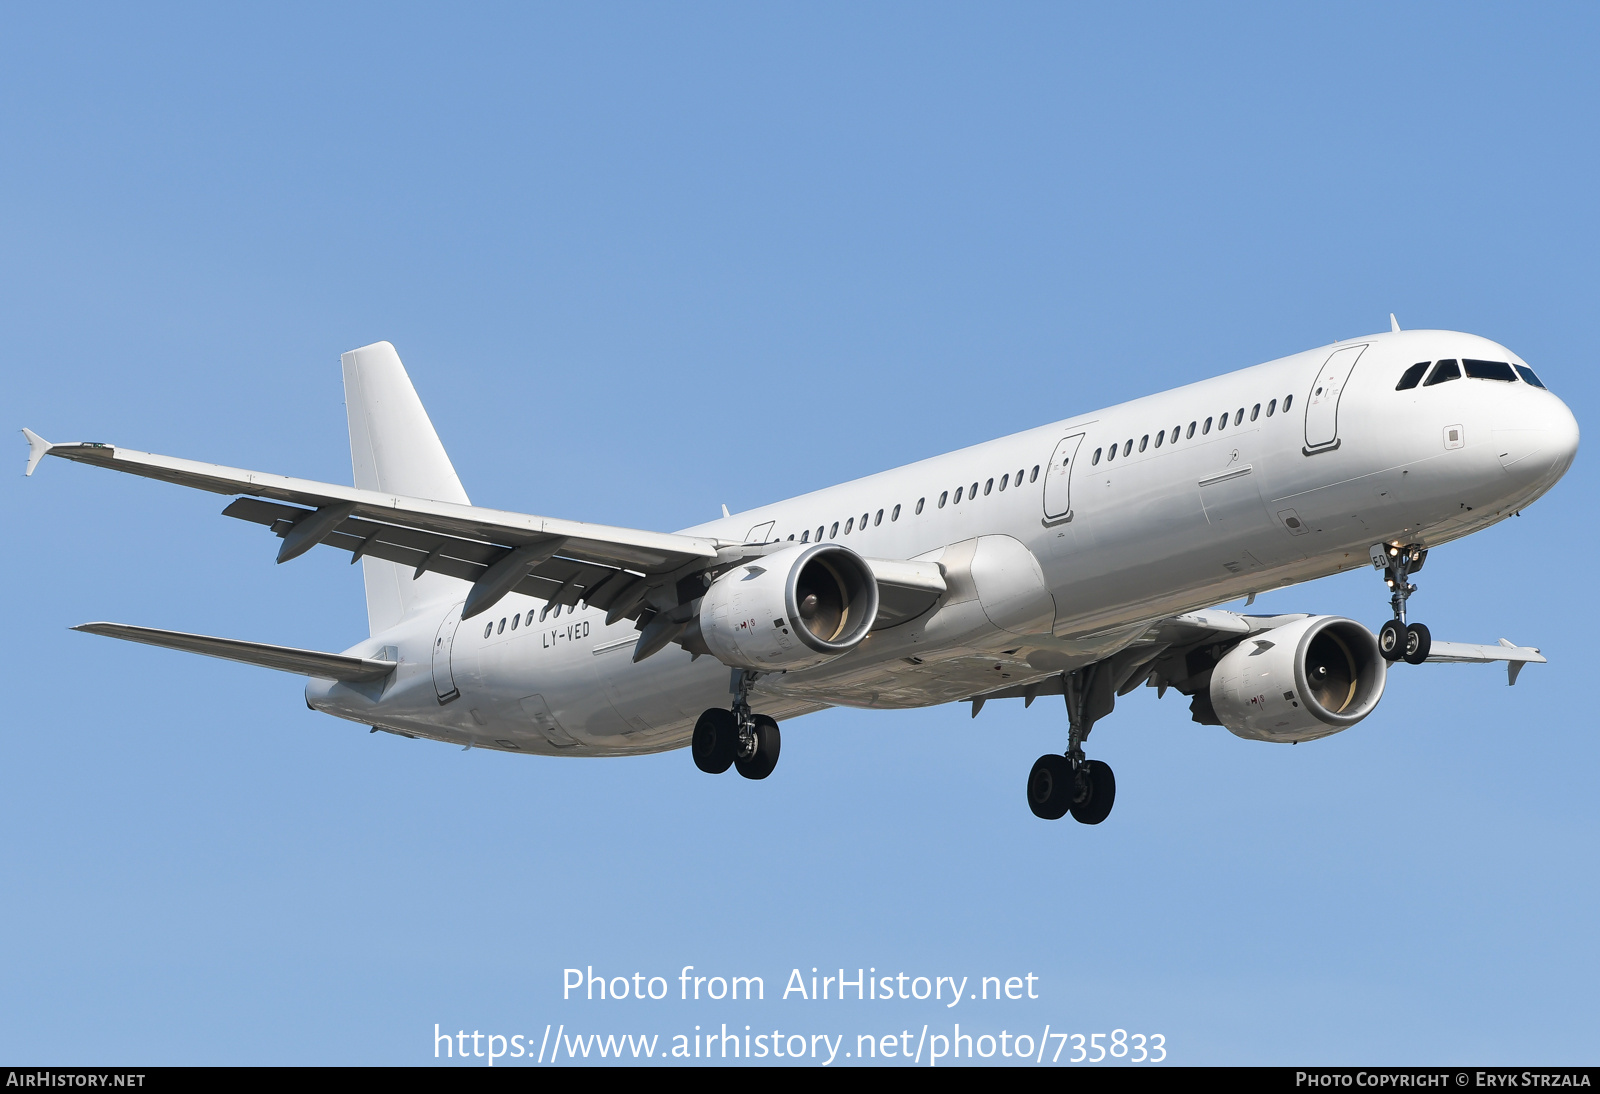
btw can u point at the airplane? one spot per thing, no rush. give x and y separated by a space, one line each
1083 558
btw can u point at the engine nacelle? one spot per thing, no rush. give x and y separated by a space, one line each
793 609
1301 681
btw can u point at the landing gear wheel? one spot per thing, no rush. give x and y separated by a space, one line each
1096 791
1392 640
716 738
1418 642
1050 787
764 756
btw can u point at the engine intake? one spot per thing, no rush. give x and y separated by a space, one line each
1300 681
793 609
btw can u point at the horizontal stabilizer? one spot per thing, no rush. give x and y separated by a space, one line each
333 666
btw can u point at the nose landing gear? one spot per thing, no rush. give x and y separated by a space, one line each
1397 639
1059 785
737 738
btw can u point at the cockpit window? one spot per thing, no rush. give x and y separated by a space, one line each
1527 374
1444 370
1412 375
1490 370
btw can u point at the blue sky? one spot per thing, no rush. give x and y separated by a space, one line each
642 261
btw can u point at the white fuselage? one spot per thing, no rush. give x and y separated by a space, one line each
1049 567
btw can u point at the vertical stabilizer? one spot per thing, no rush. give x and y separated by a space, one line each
393 448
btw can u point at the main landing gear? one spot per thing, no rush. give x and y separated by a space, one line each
1059 785
1397 639
737 738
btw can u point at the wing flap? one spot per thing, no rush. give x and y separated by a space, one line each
334 666
465 559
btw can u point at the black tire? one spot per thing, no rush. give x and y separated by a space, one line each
1392 640
716 737
1050 787
768 743
1419 641
1097 792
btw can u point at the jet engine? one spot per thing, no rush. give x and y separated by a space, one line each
1301 681
793 609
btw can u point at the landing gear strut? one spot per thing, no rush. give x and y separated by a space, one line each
1086 788
1397 639
737 738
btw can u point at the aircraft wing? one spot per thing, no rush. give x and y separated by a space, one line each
561 560
1472 653
1217 625
1162 639
498 552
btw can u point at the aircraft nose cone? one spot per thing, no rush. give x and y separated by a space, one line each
1541 446
1563 429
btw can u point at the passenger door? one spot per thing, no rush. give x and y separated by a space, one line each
1322 404
444 678
1058 479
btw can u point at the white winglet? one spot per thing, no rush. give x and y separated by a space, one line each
37 447
1394 324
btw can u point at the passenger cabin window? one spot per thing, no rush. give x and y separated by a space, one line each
1096 460
877 520
1489 370
987 487
515 620
895 515
1111 453
1127 449
919 506
1412 376
1287 399
1205 428
488 628
1271 407
959 489
835 533
1007 478
1222 422
944 497
863 522
530 617
1255 412
1527 374
819 533
1444 370
849 524
1238 416
972 491
1190 433
1159 437
1019 477
502 629
1033 476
